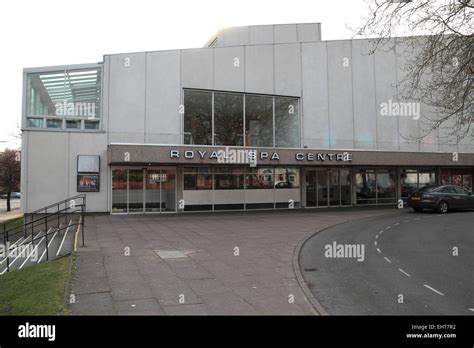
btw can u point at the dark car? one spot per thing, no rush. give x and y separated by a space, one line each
441 198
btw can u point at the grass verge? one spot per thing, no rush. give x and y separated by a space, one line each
35 290
13 223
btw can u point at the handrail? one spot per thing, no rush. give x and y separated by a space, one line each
43 222
59 202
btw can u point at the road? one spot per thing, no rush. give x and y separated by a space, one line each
413 264
15 205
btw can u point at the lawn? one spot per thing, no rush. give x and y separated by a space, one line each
36 290
12 223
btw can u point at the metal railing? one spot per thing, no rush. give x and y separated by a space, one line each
40 224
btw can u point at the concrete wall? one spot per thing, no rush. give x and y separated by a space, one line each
342 89
49 165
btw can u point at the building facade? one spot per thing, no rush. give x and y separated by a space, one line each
262 117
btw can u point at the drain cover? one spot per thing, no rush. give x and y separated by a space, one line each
171 254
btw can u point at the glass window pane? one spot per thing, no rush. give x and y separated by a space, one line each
72 93
73 124
53 123
386 187
197 117
228 119
287 178
346 197
91 125
409 181
228 178
259 178
119 190
258 121
287 129
35 122
197 178
365 187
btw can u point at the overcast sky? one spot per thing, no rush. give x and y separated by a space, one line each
53 32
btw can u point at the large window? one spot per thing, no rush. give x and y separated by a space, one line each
286 122
197 178
64 99
237 188
198 117
235 119
258 121
228 119
376 186
414 179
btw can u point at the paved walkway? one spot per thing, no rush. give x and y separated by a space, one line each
223 263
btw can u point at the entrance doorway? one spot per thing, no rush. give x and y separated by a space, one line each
328 187
144 190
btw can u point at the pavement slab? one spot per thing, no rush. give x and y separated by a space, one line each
219 264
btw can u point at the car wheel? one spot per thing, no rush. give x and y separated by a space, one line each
418 210
443 207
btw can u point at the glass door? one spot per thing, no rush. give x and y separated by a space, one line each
322 188
143 190
135 191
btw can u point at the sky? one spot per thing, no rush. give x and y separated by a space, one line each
52 32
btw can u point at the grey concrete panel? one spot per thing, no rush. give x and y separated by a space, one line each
197 68
341 123
365 110
229 68
48 176
261 34
259 69
386 91
307 32
287 58
163 93
127 93
284 33
315 95
236 36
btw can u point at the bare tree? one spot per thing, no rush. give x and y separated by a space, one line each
441 72
10 169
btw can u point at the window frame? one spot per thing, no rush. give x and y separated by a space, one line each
244 95
45 118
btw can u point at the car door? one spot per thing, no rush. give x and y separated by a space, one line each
462 197
449 194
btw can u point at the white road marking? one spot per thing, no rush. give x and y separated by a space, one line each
375 243
405 273
417 219
396 224
64 237
434 290
377 236
387 259
388 227
471 309
49 244
24 241
32 251
379 250
381 232
406 221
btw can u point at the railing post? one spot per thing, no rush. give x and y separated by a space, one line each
5 241
65 209
83 208
58 217
32 223
46 236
